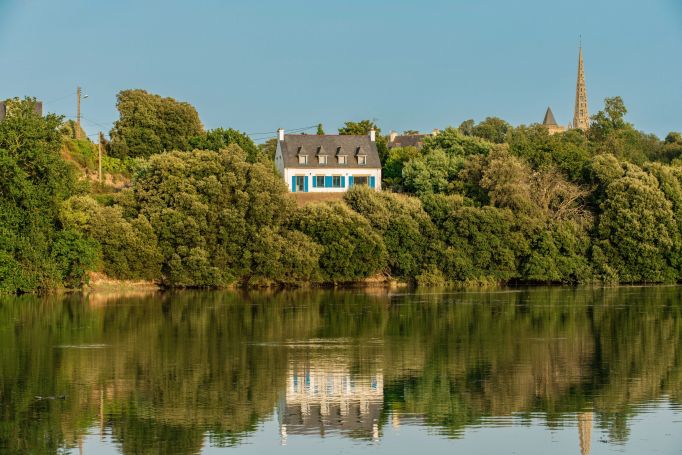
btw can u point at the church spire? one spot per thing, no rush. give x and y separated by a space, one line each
581 119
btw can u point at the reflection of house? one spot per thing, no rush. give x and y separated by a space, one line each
327 163
585 432
326 397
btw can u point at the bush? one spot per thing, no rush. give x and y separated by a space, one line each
352 250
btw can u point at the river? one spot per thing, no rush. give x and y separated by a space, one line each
517 371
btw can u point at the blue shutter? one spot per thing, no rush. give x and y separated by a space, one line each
314 181
343 181
305 183
350 181
293 184
328 181
371 181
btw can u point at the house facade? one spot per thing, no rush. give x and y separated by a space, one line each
327 163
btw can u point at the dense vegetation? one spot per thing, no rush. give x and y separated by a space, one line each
483 203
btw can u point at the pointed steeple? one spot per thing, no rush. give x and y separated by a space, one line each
549 118
581 118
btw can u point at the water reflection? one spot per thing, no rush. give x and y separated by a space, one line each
180 373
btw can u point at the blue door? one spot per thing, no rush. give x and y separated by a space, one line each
372 181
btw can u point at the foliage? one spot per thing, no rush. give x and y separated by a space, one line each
149 124
129 248
637 232
362 128
220 138
410 236
219 219
352 250
36 253
491 129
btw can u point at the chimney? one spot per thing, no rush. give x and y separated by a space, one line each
392 135
435 132
280 134
372 135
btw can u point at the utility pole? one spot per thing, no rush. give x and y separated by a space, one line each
78 115
101 140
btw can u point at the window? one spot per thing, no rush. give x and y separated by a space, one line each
362 159
319 181
360 180
336 181
323 159
300 183
342 159
302 159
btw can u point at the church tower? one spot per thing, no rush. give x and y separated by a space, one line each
581 119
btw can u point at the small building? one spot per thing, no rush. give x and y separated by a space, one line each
327 163
408 140
6 106
550 123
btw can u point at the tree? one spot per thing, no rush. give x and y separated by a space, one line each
410 236
129 248
320 130
608 119
467 127
220 220
352 250
149 124
36 252
362 128
453 142
434 172
637 233
492 129
220 138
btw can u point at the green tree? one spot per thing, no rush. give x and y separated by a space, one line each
435 172
149 124
220 138
410 236
220 219
362 128
637 233
320 130
352 250
129 248
492 129
36 252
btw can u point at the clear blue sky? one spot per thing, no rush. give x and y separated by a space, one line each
259 65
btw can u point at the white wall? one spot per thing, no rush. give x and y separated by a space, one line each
346 172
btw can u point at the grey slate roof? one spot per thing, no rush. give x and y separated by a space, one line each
408 140
549 118
314 145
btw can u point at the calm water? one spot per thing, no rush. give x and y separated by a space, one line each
548 370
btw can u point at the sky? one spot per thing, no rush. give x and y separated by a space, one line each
260 65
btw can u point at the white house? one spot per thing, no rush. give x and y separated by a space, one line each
327 163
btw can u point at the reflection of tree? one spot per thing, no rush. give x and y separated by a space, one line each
179 367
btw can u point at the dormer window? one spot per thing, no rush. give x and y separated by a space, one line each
342 159
322 159
302 159
362 159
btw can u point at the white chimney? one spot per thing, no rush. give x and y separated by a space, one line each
392 136
280 134
372 135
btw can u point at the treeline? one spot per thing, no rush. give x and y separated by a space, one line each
484 203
